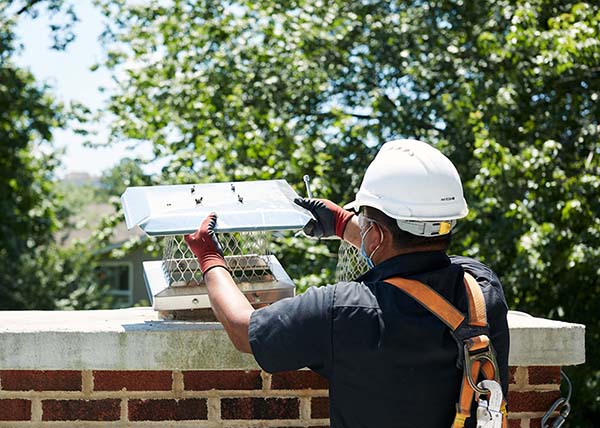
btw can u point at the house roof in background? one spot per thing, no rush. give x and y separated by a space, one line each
81 178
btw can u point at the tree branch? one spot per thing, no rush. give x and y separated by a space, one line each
356 115
591 73
28 6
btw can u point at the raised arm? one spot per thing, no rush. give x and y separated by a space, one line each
231 307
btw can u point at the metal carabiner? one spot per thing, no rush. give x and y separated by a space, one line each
565 409
489 412
485 355
563 403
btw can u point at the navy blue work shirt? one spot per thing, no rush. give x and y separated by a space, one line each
389 361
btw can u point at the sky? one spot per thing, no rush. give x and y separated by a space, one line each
69 75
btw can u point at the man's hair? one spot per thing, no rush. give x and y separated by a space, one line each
406 240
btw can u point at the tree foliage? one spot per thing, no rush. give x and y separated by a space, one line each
60 13
127 173
276 89
35 272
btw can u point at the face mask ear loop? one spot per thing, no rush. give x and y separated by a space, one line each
381 240
363 253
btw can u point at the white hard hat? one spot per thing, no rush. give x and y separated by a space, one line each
415 184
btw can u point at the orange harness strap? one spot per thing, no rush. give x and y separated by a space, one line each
453 318
477 315
431 299
440 307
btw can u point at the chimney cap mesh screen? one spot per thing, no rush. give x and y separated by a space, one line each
246 255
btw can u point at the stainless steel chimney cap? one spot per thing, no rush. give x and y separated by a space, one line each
266 205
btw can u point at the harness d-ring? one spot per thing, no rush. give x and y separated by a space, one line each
486 355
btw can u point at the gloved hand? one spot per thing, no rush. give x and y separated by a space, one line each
205 246
330 219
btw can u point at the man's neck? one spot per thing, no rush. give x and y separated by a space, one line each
389 254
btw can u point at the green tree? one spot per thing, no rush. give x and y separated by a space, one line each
276 89
35 272
127 173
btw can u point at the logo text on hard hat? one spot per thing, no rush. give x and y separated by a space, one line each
448 198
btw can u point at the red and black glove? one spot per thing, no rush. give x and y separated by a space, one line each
205 246
330 219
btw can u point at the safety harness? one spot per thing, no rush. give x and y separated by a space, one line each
476 355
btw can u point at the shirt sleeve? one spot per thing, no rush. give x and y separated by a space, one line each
294 333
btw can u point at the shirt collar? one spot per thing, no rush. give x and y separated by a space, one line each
406 265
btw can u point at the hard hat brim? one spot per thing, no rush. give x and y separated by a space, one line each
461 211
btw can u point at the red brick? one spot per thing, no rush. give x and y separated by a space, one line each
514 423
511 374
531 401
544 375
40 380
319 408
168 410
219 379
134 380
81 410
537 422
15 410
260 408
299 379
